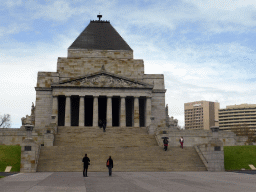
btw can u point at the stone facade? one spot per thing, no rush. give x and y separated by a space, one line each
100 74
94 85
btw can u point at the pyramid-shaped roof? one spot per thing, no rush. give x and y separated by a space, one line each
100 35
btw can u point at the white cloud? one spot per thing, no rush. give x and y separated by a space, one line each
12 3
58 10
13 28
225 15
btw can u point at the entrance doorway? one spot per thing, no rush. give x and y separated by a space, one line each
142 106
74 110
61 110
102 110
88 112
129 111
115 111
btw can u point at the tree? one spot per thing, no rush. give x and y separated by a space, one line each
5 121
244 130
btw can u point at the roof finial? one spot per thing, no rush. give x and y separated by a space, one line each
99 16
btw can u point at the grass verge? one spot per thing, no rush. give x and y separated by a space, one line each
10 156
1 177
238 157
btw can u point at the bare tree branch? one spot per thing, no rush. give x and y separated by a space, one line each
244 130
5 121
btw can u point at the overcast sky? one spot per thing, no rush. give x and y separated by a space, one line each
204 48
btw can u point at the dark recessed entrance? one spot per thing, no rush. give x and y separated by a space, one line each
142 111
88 111
115 111
61 110
129 111
74 110
102 109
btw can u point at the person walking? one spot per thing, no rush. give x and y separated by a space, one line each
165 141
181 142
86 161
104 126
110 165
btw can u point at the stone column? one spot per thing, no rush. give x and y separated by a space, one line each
136 112
148 111
81 111
67 111
122 113
55 109
95 111
109 111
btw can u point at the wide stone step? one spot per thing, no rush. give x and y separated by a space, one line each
132 149
59 158
94 136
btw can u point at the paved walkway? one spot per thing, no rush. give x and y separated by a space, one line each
130 182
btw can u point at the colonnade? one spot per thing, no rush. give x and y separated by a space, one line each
136 112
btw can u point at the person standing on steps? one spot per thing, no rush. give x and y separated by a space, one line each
110 165
165 141
86 161
181 142
100 123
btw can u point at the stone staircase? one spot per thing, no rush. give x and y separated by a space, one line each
132 149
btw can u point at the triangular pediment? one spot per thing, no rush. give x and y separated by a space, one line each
103 79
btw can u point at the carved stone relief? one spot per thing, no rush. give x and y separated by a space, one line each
105 81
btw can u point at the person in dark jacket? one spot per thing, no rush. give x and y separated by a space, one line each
86 161
165 141
104 126
110 165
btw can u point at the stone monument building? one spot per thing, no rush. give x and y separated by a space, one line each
100 81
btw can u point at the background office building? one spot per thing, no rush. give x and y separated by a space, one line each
201 114
235 116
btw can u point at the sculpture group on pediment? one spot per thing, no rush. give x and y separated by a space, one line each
104 80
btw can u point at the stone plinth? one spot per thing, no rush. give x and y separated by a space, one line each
213 152
29 156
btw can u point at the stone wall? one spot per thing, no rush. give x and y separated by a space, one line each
158 99
213 160
102 92
29 158
45 79
197 137
43 108
158 109
155 79
77 67
10 136
80 53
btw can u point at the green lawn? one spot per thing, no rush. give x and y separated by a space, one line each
10 156
1 177
238 157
